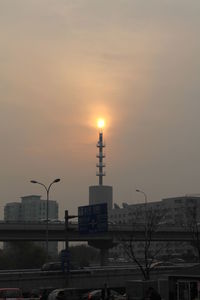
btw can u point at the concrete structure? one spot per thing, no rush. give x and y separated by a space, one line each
33 208
101 194
35 231
174 211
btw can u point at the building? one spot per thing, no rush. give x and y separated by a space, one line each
12 211
173 211
33 208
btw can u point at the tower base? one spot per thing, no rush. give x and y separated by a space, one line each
101 194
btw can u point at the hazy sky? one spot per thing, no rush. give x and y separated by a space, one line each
64 63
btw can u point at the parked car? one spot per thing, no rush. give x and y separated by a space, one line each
176 260
57 266
65 294
11 293
162 264
44 292
96 295
52 266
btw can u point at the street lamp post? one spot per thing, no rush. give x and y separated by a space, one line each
145 201
47 188
145 196
146 242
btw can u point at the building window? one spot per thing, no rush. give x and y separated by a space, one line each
178 201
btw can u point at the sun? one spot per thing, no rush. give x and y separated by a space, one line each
100 123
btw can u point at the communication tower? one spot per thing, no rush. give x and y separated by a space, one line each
101 193
101 155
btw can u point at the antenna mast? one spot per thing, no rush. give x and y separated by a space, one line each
100 165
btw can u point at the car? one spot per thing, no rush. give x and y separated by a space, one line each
96 295
52 266
11 293
177 260
162 264
121 260
66 293
58 266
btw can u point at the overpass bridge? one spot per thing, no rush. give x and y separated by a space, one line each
80 279
36 231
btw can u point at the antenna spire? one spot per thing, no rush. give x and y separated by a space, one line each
100 165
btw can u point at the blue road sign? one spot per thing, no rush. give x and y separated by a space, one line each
93 218
65 261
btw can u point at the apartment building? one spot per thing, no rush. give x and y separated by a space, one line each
33 208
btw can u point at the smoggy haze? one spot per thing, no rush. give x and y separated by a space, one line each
63 63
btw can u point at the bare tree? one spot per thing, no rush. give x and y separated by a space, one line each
148 252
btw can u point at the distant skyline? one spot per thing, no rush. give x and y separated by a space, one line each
65 63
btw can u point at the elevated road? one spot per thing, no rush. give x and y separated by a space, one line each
35 231
80 279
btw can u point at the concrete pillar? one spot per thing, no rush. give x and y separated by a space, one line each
104 247
104 257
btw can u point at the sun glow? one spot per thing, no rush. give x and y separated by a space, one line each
100 123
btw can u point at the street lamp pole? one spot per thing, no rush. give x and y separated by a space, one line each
145 196
146 235
145 201
47 188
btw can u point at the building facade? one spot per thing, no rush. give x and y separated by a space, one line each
33 208
172 211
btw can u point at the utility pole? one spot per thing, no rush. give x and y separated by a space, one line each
65 254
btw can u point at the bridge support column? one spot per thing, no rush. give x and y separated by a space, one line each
104 257
104 247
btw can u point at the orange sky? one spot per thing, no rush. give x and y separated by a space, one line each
65 63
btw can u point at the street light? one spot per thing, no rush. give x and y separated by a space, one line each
145 196
47 210
145 200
